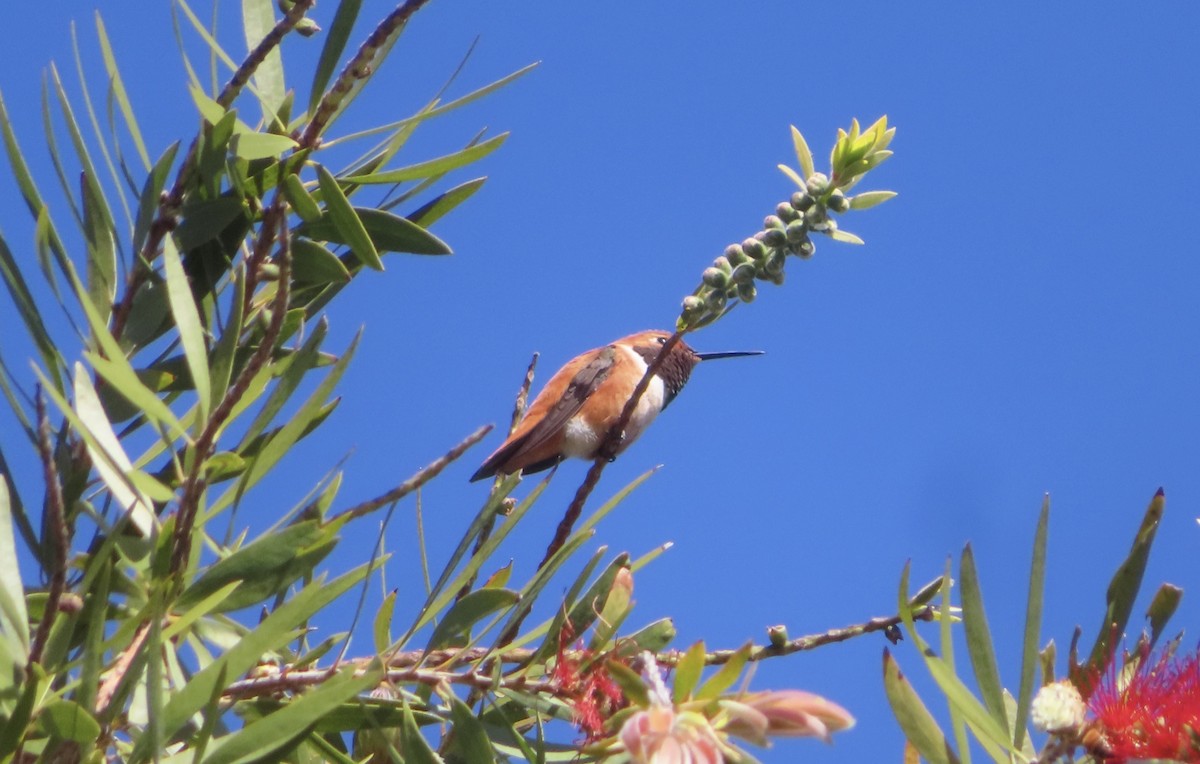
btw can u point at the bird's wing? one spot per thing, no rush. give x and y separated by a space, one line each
546 417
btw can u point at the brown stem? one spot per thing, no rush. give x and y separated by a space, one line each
193 485
56 523
359 67
427 473
606 452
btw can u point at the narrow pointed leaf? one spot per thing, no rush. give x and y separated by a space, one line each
187 320
467 612
346 222
416 748
469 734
869 199
1125 584
803 154
727 675
979 639
14 620
1162 607
151 194
388 232
302 201
436 208
335 44
436 166
204 221
252 145
258 19
918 725
118 90
314 264
102 254
383 623
1033 623
225 350
687 672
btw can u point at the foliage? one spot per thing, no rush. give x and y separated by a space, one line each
1112 708
196 283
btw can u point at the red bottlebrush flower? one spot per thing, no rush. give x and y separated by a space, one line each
585 681
1155 715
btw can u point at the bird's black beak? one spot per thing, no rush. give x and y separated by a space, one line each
727 354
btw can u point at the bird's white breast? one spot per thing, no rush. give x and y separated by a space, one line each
582 441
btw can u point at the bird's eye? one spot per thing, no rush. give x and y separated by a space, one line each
661 340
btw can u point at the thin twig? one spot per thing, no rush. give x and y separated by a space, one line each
423 476
193 484
360 67
403 668
607 451
486 531
60 535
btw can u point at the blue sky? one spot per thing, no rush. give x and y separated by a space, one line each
1022 320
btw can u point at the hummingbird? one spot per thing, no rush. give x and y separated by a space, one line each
575 410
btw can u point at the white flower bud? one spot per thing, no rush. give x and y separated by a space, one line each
1057 707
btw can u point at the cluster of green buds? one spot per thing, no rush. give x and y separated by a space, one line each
732 277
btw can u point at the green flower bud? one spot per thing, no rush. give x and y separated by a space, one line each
776 278
801 201
306 27
804 249
692 304
753 248
774 263
735 255
815 216
796 231
715 278
775 238
743 274
747 292
838 201
785 212
722 264
715 301
778 635
818 184
771 221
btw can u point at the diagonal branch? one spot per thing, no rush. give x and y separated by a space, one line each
60 534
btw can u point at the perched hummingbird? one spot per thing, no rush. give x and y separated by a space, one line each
573 413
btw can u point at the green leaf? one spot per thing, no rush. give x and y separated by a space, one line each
121 378
869 199
979 639
467 612
302 202
253 145
687 673
102 254
440 165
191 331
845 237
918 725
313 264
335 43
117 88
726 675
655 637
265 567
990 733
469 735
350 228
66 720
383 623
298 424
258 19
257 740
108 456
435 209
416 748
388 232
204 220
224 354
14 620
1033 623
803 154
1123 589
1162 607
152 190
275 631
31 315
